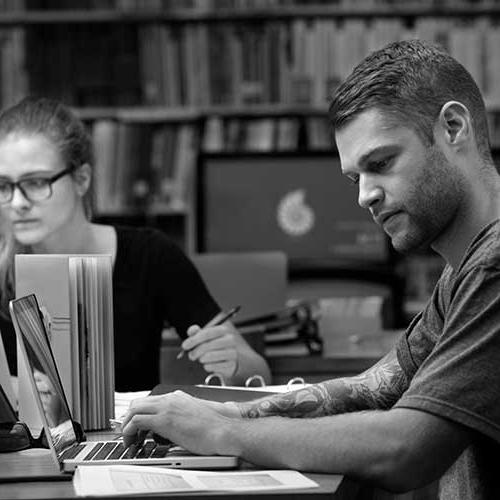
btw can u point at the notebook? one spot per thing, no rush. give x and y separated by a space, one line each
65 441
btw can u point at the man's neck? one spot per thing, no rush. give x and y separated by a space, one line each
477 211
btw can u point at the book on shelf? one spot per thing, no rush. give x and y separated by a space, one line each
287 134
259 134
162 164
213 139
104 138
492 66
319 134
185 160
75 292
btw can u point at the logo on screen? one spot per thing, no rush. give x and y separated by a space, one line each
294 216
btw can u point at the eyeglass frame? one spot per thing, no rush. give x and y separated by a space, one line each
49 180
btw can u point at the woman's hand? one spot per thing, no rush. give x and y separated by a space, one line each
216 348
221 349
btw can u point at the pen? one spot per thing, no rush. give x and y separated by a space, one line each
217 320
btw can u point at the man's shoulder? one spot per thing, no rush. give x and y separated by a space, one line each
484 250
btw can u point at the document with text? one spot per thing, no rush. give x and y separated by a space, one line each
94 480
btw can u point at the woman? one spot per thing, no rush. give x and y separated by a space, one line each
46 163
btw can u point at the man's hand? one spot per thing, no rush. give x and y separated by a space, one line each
187 421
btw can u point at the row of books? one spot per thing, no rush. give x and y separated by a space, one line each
75 293
266 134
151 167
301 61
141 166
203 64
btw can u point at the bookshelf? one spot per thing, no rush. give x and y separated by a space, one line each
158 82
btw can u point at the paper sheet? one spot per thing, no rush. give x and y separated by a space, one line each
135 479
264 388
123 399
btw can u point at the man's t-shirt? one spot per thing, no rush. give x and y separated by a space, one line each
451 353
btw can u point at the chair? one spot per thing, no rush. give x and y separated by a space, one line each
257 281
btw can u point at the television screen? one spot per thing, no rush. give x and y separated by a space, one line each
301 204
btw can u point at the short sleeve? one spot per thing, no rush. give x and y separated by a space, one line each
459 378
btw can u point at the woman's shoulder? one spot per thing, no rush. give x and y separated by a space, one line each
141 235
146 241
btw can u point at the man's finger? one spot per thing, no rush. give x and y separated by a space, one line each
141 406
136 428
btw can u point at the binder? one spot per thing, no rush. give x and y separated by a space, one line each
75 294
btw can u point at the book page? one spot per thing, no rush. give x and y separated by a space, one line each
136 479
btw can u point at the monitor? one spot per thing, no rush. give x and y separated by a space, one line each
300 204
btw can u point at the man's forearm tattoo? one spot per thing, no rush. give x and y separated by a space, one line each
377 388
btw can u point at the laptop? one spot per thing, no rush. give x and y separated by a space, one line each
64 437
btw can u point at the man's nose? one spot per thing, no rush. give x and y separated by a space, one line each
370 192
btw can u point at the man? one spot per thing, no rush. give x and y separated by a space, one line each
411 131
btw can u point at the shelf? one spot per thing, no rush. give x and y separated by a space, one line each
281 13
159 114
172 212
152 114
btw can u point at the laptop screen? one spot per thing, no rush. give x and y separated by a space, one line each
32 335
300 204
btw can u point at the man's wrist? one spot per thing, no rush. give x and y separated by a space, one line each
228 438
232 409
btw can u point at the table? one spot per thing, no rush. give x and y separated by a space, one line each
39 463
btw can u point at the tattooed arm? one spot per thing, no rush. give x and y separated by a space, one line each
379 387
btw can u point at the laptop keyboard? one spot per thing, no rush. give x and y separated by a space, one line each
116 450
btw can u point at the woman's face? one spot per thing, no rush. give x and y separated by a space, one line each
37 222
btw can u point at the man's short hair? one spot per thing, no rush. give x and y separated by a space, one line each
410 81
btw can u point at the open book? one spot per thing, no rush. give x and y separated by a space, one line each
75 295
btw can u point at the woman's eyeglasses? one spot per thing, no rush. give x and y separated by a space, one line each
16 436
32 188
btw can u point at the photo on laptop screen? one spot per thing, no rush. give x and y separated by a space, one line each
67 447
300 204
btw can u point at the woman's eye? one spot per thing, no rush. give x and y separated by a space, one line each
35 183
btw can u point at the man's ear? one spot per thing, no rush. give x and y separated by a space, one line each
455 123
82 176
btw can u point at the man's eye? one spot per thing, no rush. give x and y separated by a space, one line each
379 165
4 186
353 179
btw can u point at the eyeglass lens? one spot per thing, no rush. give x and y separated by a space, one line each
35 189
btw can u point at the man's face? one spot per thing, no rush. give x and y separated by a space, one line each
411 189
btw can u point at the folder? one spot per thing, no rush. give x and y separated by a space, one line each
75 294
